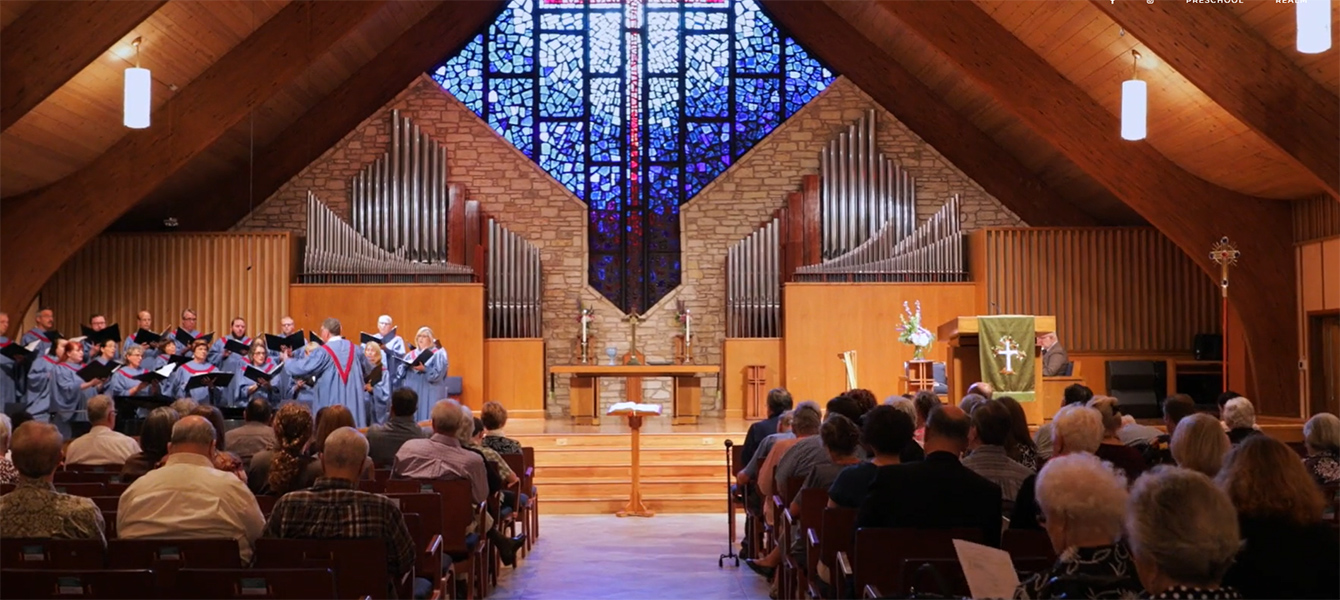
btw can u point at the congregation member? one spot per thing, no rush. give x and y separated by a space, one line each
1183 535
8 474
884 434
494 417
1054 356
328 419
778 402
334 507
749 474
1239 417
1074 393
491 456
102 445
43 323
1020 447
221 356
429 378
913 450
1175 408
393 344
198 367
378 381
123 383
184 406
68 394
338 367
384 441
1200 444
223 459
971 401
1321 439
938 492
155 435
187 498
987 455
1287 552
1075 429
256 433
1084 504
242 388
1137 435
924 401
287 466
981 388
805 422
9 370
864 399
1129 460
34 509
143 320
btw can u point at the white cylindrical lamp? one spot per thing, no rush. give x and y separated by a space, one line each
1314 25
139 89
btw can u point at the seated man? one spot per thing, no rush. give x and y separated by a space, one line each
188 498
334 508
1175 408
495 418
256 434
101 445
938 492
779 401
442 456
385 440
1054 356
35 509
986 440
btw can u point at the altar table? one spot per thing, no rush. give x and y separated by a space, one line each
585 384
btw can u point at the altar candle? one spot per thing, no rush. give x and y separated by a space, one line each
688 326
583 328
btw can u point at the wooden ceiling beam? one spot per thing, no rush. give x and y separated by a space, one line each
1245 75
38 233
1190 211
444 30
52 42
836 42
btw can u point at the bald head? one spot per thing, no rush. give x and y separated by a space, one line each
193 434
344 451
947 430
36 449
447 417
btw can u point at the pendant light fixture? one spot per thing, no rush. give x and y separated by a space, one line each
138 91
1314 25
1134 103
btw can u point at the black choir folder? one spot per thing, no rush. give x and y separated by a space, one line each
218 379
365 337
235 346
16 352
96 370
158 375
186 339
293 341
418 360
144 337
316 339
111 332
255 374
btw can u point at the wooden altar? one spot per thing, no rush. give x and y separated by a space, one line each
586 384
964 366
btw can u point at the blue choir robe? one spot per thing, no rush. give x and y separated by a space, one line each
338 367
430 385
149 351
230 364
123 380
185 349
35 335
236 395
180 377
37 392
67 401
379 397
395 345
9 388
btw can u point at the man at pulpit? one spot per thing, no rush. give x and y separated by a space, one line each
1054 357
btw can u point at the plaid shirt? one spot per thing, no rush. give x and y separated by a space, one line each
333 509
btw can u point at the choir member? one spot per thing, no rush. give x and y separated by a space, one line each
188 321
219 354
123 382
301 389
338 367
243 388
68 393
143 320
199 365
286 328
167 348
378 382
37 391
104 353
96 322
9 370
429 378
46 319
393 344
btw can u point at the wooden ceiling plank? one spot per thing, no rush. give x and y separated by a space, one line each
445 29
1244 74
85 203
1192 212
53 41
835 41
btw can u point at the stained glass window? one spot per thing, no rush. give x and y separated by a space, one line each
634 106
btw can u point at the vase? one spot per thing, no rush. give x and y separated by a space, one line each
919 352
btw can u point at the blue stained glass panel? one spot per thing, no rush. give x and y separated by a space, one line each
707 152
663 43
700 20
512 39
664 274
606 231
562 21
561 154
607 134
606 277
757 48
706 75
512 112
606 37
561 75
805 77
462 77
606 187
662 120
664 188
663 231
758 107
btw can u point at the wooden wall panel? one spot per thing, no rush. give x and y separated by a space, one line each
824 319
455 312
738 353
514 376
1330 265
1311 278
220 275
1315 218
1126 290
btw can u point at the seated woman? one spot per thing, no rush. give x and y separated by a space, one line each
286 468
1321 436
1199 444
154 438
1183 533
495 418
1239 418
1129 460
885 433
1287 552
1083 503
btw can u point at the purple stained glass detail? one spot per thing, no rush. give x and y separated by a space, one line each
664 188
606 231
758 108
606 188
663 231
708 150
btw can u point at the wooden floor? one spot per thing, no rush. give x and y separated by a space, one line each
587 469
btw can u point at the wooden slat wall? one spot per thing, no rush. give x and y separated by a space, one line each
220 275
1126 290
1315 218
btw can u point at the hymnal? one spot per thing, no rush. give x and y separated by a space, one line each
111 332
213 378
235 346
97 370
255 374
292 341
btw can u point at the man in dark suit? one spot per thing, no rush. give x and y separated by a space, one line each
938 492
384 441
779 401
1054 357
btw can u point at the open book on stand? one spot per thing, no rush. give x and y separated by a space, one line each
620 408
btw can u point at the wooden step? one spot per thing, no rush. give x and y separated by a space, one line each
542 442
656 487
623 456
690 470
683 503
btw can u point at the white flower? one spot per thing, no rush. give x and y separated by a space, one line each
922 338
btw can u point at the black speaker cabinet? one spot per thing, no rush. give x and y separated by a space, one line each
1138 385
1209 346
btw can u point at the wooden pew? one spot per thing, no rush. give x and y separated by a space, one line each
877 556
823 544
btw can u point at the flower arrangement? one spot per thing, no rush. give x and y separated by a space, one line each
911 332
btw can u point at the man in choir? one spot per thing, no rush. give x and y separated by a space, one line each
199 365
46 319
1054 357
243 388
429 378
67 394
338 366
286 328
392 344
219 353
96 322
188 324
9 370
143 320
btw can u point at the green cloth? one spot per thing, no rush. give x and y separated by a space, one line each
997 332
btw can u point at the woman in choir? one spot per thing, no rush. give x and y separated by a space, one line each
377 383
68 399
37 392
123 382
429 379
243 389
199 365
103 353
157 360
302 389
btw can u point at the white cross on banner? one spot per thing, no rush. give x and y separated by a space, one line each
1006 354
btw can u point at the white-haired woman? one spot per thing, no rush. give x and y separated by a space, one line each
424 370
1075 429
1199 444
8 474
1321 436
1183 533
1083 502
1239 418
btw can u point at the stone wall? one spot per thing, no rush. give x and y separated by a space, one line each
523 197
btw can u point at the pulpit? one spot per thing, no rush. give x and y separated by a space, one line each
635 413
964 366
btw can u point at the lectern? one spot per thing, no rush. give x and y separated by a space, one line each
635 413
965 365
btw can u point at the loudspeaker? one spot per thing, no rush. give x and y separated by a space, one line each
1208 346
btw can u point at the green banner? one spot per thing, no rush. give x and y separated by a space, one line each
1007 347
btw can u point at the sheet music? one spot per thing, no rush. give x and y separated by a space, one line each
989 571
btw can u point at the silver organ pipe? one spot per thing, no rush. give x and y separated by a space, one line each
513 293
754 285
400 200
336 253
933 252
